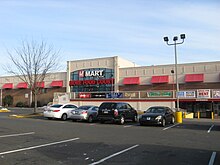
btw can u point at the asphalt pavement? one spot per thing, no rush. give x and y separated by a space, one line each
37 140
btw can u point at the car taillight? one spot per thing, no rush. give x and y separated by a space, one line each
84 112
56 110
115 112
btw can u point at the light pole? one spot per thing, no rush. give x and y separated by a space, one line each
175 38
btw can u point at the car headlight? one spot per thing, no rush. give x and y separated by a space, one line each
158 117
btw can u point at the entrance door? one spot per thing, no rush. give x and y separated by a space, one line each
216 108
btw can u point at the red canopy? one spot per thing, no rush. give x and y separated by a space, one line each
131 81
7 86
194 77
22 85
159 79
58 83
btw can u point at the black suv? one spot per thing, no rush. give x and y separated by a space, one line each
116 111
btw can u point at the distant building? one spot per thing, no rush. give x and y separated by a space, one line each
113 77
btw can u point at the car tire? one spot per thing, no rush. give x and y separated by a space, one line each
64 117
141 124
122 120
90 119
172 120
163 124
135 119
49 118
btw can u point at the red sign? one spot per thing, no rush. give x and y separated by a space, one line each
91 82
84 95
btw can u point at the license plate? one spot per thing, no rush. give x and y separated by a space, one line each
148 118
105 111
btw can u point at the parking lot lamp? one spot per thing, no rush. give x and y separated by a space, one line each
175 39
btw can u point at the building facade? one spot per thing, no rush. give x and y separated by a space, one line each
115 78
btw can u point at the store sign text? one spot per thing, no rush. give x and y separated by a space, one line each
91 82
91 73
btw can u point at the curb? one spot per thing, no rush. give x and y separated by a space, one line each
5 111
25 116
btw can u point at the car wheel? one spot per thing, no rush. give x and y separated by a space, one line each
90 119
172 120
163 124
134 118
141 124
64 117
49 118
122 120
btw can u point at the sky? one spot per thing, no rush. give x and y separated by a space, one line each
130 29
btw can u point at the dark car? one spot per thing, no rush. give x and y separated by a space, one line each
158 115
116 112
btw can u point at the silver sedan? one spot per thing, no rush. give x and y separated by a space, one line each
85 112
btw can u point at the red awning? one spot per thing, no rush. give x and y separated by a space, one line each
194 77
131 80
7 86
58 83
159 79
40 84
22 85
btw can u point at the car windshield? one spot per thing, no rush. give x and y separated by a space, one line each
108 106
156 110
56 106
84 107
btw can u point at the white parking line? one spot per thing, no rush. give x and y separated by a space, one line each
113 155
171 126
127 126
43 145
210 129
19 134
212 159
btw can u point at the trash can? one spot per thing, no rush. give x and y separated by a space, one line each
179 117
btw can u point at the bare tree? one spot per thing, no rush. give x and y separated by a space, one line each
31 62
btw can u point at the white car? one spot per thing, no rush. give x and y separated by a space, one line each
59 111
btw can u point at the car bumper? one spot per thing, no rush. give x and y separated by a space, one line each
150 122
52 115
79 117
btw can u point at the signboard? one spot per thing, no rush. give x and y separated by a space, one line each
187 94
114 95
84 95
98 95
131 95
216 93
91 73
203 93
91 82
159 94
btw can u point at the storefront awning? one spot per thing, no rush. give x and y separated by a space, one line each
194 77
7 86
40 84
131 81
23 85
159 79
58 83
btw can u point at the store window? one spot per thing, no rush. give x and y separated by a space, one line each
92 80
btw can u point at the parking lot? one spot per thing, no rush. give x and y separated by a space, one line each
40 141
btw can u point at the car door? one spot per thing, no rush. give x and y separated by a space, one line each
67 109
168 115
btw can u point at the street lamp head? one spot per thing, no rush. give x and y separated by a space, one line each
166 39
182 36
175 38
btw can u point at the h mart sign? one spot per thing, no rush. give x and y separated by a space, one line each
91 73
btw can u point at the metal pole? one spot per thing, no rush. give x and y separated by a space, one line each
177 82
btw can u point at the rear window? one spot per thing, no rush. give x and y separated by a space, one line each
156 110
56 106
108 106
84 107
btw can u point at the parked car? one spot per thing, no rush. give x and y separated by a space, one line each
59 111
85 112
158 115
116 112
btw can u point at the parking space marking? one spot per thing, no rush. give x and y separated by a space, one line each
127 126
212 159
19 134
39 146
210 129
171 126
113 155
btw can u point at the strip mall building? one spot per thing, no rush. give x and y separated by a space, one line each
93 81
